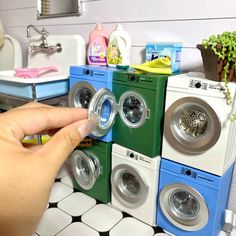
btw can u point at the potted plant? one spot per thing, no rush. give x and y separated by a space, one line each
219 59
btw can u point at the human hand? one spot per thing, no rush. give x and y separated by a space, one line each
27 173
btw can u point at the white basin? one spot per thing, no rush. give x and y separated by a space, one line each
49 85
73 53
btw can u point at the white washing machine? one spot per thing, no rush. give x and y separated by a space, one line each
198 131
134 183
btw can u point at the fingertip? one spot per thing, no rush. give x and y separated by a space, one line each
87 127
66 140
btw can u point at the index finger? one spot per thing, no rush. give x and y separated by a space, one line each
30 121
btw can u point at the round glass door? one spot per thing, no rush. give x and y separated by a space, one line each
103 108
191 125
184 207
85 167
133 110
80 95
128 186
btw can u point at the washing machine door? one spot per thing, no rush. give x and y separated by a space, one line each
86 168
128 186
103 108
191 125
81 94
133 109
184 207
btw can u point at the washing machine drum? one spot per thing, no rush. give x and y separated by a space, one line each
81 94
132 109
128 186
184 207
86 168
191 125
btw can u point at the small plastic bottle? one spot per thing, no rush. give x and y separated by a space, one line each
119 46
97 47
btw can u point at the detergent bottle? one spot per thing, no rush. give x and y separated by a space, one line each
119 46
97 48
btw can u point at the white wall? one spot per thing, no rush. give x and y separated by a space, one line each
187 21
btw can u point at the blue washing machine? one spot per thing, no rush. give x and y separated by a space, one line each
191 202
85 81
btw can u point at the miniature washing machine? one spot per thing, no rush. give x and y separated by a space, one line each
191 201
198 131
84 83
134 183
91 168
139 100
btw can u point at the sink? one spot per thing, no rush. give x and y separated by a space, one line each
46 86
72 53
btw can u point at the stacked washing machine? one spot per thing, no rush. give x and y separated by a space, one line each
91 161
198 155
137 134
130 109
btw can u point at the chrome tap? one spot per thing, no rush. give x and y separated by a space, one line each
43 47
43 32
47 49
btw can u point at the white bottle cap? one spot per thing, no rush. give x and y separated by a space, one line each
229 216
119 27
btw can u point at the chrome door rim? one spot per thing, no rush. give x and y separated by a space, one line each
74 92
145 111
177 138
95 110
119 190
193 224
93 165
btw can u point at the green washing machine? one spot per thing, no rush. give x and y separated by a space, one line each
136 111
91 166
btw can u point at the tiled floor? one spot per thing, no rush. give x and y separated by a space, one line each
72 213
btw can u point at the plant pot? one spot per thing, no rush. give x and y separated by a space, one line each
214 67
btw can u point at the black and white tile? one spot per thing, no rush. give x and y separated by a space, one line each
72 213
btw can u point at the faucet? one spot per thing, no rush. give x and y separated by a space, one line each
43 31
43 47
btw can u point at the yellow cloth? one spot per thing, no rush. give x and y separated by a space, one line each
33 140
160 65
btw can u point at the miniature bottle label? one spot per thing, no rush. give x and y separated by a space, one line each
113 53
97 54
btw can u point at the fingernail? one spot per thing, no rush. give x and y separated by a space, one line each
87 127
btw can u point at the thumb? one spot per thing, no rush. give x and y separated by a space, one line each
59 147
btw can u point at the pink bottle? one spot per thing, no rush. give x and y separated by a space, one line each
97 47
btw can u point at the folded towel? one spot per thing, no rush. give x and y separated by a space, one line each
160 65
1 34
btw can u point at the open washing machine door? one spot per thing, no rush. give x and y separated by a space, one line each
191 125
132 109
81 94
128 186
184 207
86 168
